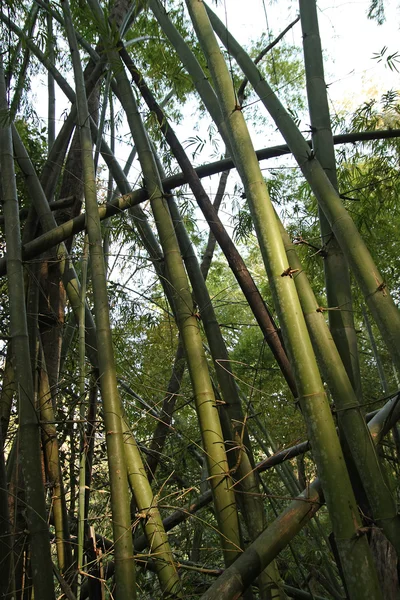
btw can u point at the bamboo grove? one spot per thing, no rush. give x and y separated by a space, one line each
140 457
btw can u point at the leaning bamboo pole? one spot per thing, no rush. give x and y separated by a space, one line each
149 514
371 282
355 555
125 571
28 423
207 411
233 421
337 276
350 415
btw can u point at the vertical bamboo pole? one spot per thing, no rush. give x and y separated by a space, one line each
125 572
355 556
337 276
28 423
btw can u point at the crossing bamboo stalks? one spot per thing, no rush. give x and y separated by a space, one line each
138 196
125 572
204 396
233 422
235 261
371 282
28 422
354 551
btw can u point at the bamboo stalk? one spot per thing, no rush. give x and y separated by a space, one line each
125 573
337 276
350 415
243 572
29 428
355 556
53 468
149 513
82 415
259 309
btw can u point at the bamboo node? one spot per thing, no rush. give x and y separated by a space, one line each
289 272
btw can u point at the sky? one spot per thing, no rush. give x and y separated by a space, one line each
349 39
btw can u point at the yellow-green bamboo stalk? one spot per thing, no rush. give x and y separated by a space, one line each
203 392
82 412
149 513
356 557
28 422
233 422
51 452
371 282
125 571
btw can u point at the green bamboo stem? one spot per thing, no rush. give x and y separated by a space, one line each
148 512
47 221
125 573
259 309
212 240
350 414
29 429
364 269
187 323
19 86
8 390
51 110
53 469
82 413
312 399
241 460
337 276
